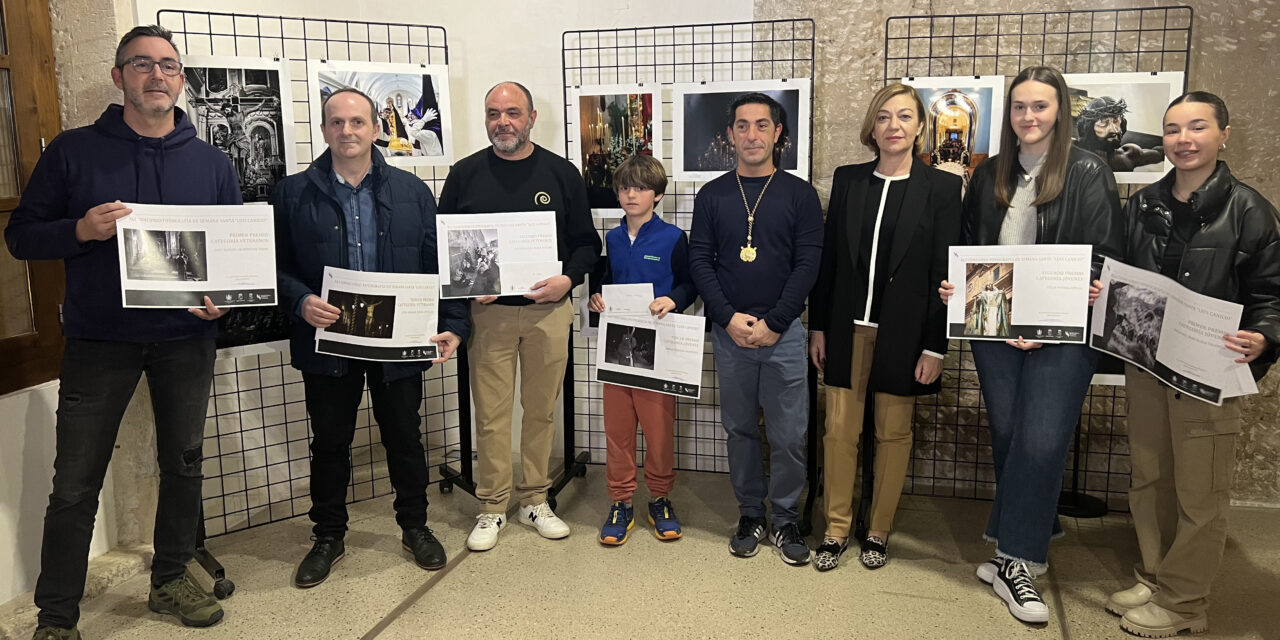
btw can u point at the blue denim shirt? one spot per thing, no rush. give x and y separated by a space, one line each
362 228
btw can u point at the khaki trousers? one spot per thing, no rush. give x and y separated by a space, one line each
536 336
845 409
1182 453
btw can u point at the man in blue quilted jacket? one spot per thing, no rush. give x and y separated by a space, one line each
351 209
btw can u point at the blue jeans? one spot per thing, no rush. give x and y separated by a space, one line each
1033 403
97 381
774 377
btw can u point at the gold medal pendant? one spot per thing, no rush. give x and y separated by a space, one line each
748 254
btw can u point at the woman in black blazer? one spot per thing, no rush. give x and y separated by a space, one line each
876 325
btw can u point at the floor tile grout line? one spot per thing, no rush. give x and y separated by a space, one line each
1059 607
422 590
414 597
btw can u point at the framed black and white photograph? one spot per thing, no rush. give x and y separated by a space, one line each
1120 117
362 314
630 346
1134 319
473 263
701 147
412 101
965 115
244 107
166 256
612 123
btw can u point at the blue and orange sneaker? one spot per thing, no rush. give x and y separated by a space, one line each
663 518
618 525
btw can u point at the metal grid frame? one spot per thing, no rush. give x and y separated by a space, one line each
952 454
1088 41
257 462
659 55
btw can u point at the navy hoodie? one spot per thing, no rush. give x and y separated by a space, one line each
104 162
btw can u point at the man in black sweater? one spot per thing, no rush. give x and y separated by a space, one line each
754 251
516 175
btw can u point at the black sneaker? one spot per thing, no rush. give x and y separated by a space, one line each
746 540
829 552
314 568
1014 585
791 545
427 552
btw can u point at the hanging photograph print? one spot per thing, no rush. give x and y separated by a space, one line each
701 147
412 102
611 123
1120 117
965 115
244 107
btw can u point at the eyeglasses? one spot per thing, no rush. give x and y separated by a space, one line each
145 65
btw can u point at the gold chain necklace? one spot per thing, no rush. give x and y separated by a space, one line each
748 253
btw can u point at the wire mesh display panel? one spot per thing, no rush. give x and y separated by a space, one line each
952 453
257 463
656 56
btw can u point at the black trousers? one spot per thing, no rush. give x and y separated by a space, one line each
97 381
332 403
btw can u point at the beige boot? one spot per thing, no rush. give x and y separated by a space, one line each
1121 602
1153 621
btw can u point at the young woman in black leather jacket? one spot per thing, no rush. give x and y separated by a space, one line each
1219 237
1040 189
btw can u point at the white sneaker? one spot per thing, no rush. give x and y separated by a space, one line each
485 535
540 517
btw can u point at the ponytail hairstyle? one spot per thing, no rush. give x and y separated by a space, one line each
1053 176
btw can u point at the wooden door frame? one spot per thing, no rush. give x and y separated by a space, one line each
33 358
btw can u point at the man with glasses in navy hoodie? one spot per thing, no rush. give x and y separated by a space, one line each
143 151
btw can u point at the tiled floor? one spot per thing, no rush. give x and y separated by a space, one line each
528 587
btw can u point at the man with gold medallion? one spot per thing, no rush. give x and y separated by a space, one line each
754 252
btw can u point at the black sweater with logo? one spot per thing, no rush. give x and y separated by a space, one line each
484 183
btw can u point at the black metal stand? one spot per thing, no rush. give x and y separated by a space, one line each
813 468
463 478
867 453
1074 503
575 464
223 587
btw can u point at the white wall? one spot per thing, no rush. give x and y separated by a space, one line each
29 438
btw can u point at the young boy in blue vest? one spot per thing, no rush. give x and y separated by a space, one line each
643 249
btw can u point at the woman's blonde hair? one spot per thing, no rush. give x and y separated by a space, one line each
878 101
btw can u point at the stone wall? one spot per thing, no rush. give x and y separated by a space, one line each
1229 37
85 34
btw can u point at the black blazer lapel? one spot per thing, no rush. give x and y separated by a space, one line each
855 202
914 202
